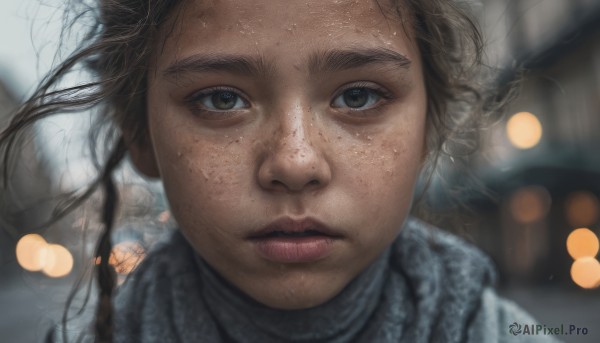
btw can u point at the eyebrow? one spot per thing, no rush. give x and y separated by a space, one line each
237 64
336 60
257 66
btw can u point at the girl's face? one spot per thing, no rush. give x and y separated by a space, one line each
286 116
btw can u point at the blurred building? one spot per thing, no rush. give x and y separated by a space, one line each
542 161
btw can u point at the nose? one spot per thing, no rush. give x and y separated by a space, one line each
293 161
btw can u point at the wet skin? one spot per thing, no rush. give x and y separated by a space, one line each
260 110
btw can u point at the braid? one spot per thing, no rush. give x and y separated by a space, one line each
104 271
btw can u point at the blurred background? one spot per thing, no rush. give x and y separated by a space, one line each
541 164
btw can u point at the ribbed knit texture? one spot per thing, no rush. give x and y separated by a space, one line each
429 286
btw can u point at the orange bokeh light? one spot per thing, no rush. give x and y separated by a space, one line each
582 243
524 130
125 256
582 209
530 204
31 252
59 261
35 254
585 272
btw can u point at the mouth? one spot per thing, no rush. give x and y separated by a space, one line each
295 241
291 228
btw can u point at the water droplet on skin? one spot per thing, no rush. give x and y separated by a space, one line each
179 154
369 138
357 134
394 33
204 174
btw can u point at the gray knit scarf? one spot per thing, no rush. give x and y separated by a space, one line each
429 286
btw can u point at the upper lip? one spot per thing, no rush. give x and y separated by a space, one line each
288 224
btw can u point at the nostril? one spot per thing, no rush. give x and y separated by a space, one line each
314 182
277 183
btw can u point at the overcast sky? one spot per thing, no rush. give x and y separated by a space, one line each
27 28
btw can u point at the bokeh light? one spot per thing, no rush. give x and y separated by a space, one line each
125 256
35 254
524 130
582 243
530 204
31 252
59 261
585 272
582 209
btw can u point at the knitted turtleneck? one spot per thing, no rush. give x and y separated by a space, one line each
429 286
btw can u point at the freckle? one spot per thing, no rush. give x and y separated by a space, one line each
339 137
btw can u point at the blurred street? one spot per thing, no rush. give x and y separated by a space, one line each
30 305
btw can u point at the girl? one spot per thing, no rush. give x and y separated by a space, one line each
289 136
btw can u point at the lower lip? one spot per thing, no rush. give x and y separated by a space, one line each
294 249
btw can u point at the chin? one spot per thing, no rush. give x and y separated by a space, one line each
297 293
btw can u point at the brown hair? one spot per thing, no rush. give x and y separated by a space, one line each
117 50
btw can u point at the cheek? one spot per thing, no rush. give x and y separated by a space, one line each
380 175
202 179
384 168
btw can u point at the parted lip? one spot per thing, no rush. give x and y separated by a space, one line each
288 224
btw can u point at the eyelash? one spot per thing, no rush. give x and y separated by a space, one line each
194 101
379 91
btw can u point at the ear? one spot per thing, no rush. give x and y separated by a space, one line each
142 155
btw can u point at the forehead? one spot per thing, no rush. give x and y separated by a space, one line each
286 29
